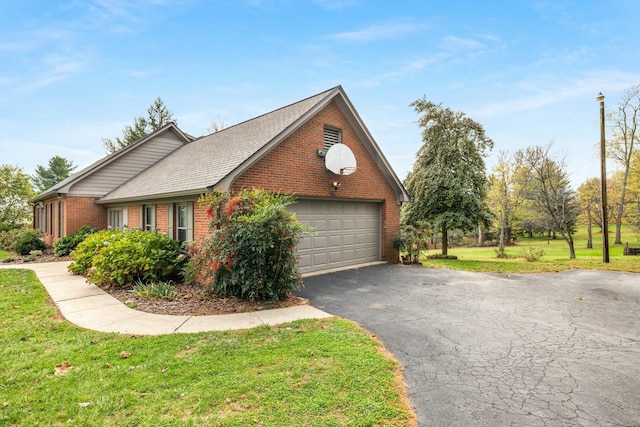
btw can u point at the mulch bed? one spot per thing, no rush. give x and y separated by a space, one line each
192 300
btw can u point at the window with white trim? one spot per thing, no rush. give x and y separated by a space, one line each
149 217
184 222
115 218
332 136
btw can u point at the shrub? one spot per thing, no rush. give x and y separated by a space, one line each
7 238
27 240
501 252
164 290
119 257
64 246
251 253
531 254
83 255
409 243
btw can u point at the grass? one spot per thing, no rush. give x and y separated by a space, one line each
306 373
3 255
556 256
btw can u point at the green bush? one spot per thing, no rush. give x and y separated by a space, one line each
83 255
27 240
163 290
531 254
119 257
7 239
64 246
251 253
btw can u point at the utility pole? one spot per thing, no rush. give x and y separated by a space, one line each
603 183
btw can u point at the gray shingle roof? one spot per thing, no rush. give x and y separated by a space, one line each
205 162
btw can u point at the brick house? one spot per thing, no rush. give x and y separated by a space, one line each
155 183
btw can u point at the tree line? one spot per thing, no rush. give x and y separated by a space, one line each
527 192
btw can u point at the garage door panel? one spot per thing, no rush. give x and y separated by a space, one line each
319 242
304 260
318 208
344 233
334 209
319 225
335 256
320 258
348 239
335 224
348 255
335 241
305 244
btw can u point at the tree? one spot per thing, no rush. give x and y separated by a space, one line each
589 201
217 125
15 192
550 192
58 169
621 147
448 183
158 115
504 195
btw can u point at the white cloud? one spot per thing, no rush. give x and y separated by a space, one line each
460 43
539 93
140 73
388 30
336 4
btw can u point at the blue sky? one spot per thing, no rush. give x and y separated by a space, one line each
74 72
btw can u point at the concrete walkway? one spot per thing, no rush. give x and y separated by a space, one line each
90 307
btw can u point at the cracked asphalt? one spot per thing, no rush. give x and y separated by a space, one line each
484 349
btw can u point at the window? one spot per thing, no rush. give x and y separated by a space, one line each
332 136
184 222
114 218
60 218
149 217
42 217
51 219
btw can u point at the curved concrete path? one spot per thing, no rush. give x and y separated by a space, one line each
90 307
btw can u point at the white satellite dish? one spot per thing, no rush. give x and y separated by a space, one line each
340 160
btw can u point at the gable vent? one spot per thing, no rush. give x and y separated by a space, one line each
331 137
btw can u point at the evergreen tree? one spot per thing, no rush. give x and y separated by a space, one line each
158 115
58 169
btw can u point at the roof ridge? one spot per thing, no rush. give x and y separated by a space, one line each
272 111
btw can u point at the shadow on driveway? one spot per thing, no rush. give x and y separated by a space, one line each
479 349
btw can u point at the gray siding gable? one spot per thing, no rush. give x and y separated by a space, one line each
116 168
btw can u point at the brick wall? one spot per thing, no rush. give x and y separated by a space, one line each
77 211
162 218
133 213
294 166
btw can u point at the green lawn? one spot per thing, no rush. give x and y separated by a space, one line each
306 373
556 256
3 254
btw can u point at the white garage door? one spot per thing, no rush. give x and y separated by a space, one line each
344 233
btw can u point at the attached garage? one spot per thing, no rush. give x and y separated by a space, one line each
344 233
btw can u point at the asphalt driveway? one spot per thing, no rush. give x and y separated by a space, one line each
558 349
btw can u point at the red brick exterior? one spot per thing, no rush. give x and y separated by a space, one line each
133 213
162 219
77 211
294 166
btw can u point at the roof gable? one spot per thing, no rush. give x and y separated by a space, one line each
216 160
93 171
